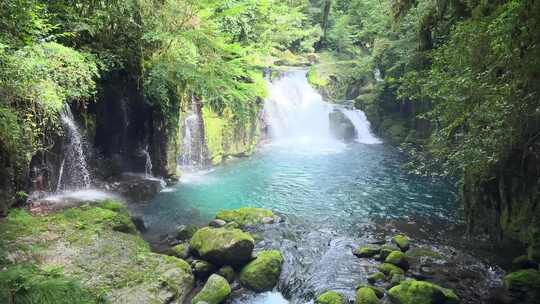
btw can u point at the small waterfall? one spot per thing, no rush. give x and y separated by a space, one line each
295 111
194 151
73 173
148 163
361 125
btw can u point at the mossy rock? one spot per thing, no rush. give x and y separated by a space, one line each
367 251
223 246
423 252
390 269
262 273
180 251
215 290
376 277
202 269
330 297
227 272
184 232
524 285
398 258
386 250
379 291
366 295
245 216
402 241
421 292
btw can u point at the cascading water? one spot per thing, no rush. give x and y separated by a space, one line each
73 173
361 125
147 163
194 151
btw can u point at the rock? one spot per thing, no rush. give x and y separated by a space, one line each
523 285
245 216
267 220
223 246
217 223
379 292
366 251
402 242
375 277
202 269
139 223
390 269
397 258
262 273
184 232
396 279
421 292
180 251
215 291
227 272
523 262
366 295
330 297
386 250
341 127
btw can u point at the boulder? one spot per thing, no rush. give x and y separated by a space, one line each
386 250
202 269
246 216
215 290
262 273
341 126
367 251
397 258
184 232
375 277
180 251
227 272
223 246
402 242
523 285
421 292
366 295
390 269
330 297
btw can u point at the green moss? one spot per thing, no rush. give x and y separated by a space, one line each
397 258
330 297
222 246
28 284
366 295
214 291
523 280
386 250
420 252
180 250
262 273
390 269
366 251
315 79
402 241
421 292
245 216
375 277
227 272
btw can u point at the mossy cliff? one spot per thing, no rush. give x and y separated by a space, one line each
93 251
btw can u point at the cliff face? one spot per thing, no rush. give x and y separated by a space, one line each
508 205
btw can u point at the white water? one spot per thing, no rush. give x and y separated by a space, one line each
74 173
193 144
148 163
298 115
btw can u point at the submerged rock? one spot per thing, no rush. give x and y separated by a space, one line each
367 251
215 291
366 295
421 292
223 246
262 273
247 216
397 258
330 297
402 242
523 285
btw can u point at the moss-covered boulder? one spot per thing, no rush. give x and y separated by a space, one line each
524 285
330 297
421 292
366 295
215 290
184 232
202 269
367 251
245 216
386 250
397 258
262 273
390 269
227 272
180 250
376 277
402 241
222 246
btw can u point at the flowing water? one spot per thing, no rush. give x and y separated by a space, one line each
333 197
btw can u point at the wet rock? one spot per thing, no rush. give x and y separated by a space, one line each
262 273
330 297
202 269
217 223
523 262
137 188
267 220
366 295
396 279
386 250
184 232
341 126
246 216
379 292
421 292
375 277
222 246
227 272
180 251
523 286
139 223
390 269
367 251
397 258
423 252
402 242
215 291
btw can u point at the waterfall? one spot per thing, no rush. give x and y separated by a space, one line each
73 172
295 111
148 163
194 151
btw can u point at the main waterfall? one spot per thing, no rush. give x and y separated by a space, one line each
295 112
